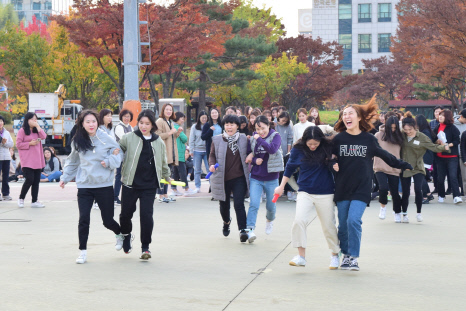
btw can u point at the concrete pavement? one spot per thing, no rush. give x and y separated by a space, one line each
416 266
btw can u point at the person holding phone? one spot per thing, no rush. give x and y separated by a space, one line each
31 155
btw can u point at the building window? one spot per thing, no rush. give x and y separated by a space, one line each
385 12
384 42
18 5
36 6
48 5
364 13
345 41
344 11
364 43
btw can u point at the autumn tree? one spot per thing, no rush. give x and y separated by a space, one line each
324 76
431 35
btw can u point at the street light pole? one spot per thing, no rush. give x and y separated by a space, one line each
131 48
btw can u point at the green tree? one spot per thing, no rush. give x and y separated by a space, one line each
8 14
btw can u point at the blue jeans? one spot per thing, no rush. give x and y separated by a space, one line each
56 175
255 192
349 226
198 157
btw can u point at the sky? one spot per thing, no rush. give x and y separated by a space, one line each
287 10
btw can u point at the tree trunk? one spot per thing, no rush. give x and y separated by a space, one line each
202 101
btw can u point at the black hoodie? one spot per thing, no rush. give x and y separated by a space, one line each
146 175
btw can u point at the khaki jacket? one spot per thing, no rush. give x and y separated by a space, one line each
413 152
162 131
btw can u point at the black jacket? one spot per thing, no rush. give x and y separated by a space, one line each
453 137
429 155
207 135
463 147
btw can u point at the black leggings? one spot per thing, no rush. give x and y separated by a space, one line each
406 186
389 182
32 179
239 188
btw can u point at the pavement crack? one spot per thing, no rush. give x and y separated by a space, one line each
260 271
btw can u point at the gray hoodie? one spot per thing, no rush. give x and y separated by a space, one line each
286 134
86 166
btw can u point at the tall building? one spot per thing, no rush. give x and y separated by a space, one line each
363 27
41 9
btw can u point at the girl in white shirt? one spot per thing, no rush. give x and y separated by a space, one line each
298 128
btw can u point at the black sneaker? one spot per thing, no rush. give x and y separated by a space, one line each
226 228
435 191
374 195
243 236
345 263
448 192
425 201
430 197
128 243
353 265
117 202
145 255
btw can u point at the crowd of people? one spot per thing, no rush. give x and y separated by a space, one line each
253 156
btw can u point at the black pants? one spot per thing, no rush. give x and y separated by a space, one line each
375 184
32 178
103 197
389 182
146 197
117 187
406 186
5 168
239 188
447 166
425 188
179 173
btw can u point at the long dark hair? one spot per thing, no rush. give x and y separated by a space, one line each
423 125
198 123
408 120
26 127
219 119
395 138
81 140
323 153
51 164
149 114
104 112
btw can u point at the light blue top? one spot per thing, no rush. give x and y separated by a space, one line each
218 129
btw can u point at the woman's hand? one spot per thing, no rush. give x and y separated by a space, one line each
180 129
336 168
33 142
259 161
447 147
249 158
33 123
45 174
116 152
256 136
4 140
212 128
103 164
62 184
212 168
278 190
173 131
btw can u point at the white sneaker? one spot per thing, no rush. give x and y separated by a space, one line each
264 196
298 261
441 200
37 204
198 190
176 193
419 217
119 241
20 203
295 196
397 217
268 227
289 196
251 236
95 206
247 200
334 262
7 198
190 191
457 200
405 219
382 213
82 258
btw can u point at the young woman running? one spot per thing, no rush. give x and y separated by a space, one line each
197 148
312 154
447 164
121 129
252 118
92 162
267 163
243 128
354 148
29 144
105 121
230 151
285 129
298 128
5 158
390 139
167 131
414 147
144 166
51 171
180 172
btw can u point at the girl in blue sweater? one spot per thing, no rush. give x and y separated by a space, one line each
312 154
